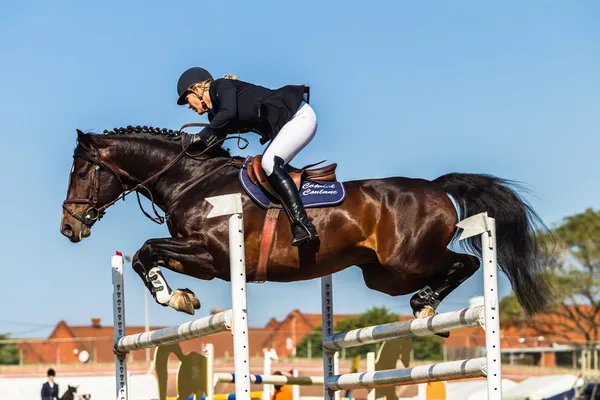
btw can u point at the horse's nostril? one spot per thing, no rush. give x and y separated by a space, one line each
67 230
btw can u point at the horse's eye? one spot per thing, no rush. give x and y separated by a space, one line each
82 175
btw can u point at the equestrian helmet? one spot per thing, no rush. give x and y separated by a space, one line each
187 79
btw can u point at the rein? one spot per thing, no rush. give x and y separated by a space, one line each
95 213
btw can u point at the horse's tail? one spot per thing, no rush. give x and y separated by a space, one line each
521 254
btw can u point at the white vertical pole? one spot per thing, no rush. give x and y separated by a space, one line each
422 391
329 357
492 315
371 368
147 321
231 205
209 353
336 366
295 388
119 323
238 304
267 389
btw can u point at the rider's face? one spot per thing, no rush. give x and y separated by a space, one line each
196 104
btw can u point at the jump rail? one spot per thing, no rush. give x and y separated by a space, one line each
235 320
212 378
487 316
417 327
190 330
223 377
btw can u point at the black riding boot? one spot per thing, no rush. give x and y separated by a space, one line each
281 181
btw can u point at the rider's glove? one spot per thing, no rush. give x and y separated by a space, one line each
207 137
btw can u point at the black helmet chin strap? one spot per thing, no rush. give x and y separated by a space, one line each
193 89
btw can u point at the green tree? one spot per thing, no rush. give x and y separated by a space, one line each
9 354
575 274
429 347
511 311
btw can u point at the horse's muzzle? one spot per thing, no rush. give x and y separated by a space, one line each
74 230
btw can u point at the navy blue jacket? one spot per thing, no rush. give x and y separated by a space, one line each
49 393
239 106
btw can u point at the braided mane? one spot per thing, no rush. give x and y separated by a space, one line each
169 135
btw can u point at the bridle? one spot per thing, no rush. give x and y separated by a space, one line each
94 213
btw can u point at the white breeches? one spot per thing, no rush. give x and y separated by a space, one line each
292 137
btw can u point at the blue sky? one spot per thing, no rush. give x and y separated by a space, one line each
400 88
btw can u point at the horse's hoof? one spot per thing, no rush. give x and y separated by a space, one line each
425 312
181 301
193 298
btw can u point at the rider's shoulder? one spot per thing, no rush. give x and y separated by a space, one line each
224 82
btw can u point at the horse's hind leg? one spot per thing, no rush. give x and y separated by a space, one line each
172 253
379 278
459 268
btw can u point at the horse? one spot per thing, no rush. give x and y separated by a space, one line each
397 230
70 393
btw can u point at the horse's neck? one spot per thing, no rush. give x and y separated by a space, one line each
139 160
68 395
148 161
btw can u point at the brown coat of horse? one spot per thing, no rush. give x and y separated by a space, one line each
395 229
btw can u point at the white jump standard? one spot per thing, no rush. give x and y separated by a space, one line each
487 316
235 320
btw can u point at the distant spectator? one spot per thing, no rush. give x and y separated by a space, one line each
282 392
50 389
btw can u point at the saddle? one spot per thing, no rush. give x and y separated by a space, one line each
257 174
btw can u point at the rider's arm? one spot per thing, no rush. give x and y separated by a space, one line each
220 122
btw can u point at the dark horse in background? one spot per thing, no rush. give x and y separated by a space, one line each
396 230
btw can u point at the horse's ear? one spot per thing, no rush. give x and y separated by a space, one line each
83 139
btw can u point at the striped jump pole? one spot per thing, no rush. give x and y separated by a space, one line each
486 316
213 378
231 396
223 377
235 320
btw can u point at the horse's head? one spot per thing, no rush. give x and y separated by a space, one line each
69 393
93 184
123 161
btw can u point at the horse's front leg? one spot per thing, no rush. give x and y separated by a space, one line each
179 254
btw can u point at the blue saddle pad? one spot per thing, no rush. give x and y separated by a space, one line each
313 193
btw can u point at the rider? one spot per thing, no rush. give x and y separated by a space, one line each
281 116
